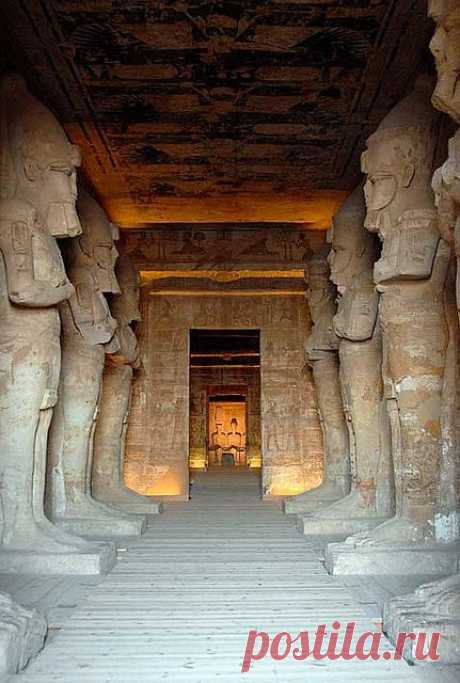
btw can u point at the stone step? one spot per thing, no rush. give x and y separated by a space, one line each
179 604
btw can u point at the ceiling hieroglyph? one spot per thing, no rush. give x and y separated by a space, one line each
219 110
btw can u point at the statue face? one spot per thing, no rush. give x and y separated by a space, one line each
409 241
105 255
59 185
40 156
445 46
51 186
97 243
46 166
126 306
132 296
341 256
382 184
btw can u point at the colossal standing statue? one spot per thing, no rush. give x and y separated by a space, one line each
323 358
435 607
445 47
39 193
37 204
88 334
352 257
110 437
410 275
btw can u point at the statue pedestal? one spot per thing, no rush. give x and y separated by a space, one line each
22 635
103 528
432 608
396 559
449 644
99 558
309 525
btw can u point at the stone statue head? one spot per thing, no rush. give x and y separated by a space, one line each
95 247
38 162
445 46
125 308
398 163
353 248
320 290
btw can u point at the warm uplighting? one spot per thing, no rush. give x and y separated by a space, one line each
314 208
150 480
284 484
197 459
222 276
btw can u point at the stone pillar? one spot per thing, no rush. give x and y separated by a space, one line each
39 167
436 606
323 358
110 438
410 275
88 334
353 253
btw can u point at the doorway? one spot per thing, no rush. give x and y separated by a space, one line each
225 423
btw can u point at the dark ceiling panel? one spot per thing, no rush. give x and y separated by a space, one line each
219 110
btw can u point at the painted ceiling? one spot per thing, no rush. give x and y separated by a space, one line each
218 110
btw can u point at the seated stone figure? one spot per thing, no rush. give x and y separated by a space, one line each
217 445
235 443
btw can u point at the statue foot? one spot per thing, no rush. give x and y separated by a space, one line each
439 597
62 536
124 497
322 495
397 530
40 540
86 507
327 489
353 506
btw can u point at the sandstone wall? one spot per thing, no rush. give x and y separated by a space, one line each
157 453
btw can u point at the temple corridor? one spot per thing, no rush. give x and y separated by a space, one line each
229 341
185 595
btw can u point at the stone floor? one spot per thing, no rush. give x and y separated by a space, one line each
180 602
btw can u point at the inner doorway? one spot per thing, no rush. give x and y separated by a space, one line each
225 423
